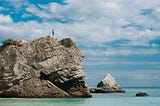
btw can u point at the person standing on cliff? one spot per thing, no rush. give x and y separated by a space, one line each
52 32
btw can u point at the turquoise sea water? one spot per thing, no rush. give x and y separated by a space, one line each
107 99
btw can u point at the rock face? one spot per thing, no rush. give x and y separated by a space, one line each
141 94
41 68
107 85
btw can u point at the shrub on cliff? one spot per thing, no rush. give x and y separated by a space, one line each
17 42
9 42
67 42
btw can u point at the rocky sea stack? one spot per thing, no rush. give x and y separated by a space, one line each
41 68
107 85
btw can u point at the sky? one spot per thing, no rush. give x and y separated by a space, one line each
121 37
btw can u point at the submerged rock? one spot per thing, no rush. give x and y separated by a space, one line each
42 68
141 94
107 85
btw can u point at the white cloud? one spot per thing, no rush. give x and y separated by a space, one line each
28 31
1 8
18 4
26 15
108 56
110 51
90 23
5 19
36 11
109 60
144 75
103 20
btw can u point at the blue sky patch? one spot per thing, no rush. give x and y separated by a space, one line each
46 1
147 11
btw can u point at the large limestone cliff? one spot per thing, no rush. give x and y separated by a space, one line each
107 85
41 68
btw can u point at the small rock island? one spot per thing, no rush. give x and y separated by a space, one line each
107 85
141 94
43 67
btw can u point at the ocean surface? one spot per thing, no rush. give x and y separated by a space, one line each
105 99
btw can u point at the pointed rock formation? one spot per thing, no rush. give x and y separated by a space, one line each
41 68
107 85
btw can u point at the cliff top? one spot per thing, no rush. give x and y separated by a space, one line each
66 42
